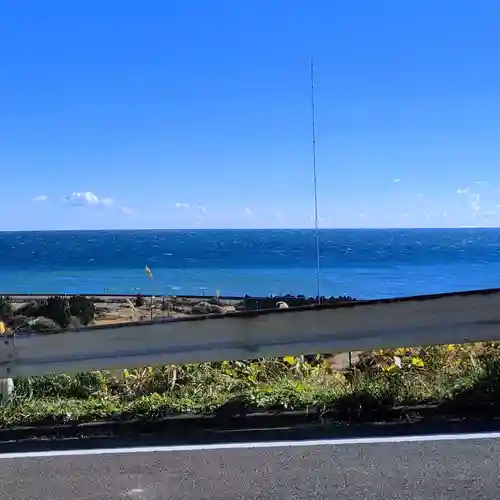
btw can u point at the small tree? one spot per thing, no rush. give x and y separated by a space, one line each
139 300
58 309
5 307
83 308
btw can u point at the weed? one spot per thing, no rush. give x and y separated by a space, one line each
457 376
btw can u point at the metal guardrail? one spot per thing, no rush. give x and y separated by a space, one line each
330 328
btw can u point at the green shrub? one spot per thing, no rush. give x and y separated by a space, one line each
33 309
5 307
42 324
83 308
58 309
139 300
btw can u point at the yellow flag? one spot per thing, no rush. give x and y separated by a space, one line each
148 272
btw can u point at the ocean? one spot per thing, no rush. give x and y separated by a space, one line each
361 263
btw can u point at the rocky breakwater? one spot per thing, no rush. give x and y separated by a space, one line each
189 306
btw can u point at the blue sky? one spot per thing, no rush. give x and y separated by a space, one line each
197 113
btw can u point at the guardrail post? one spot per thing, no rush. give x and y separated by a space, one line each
6 390
7 355
118 374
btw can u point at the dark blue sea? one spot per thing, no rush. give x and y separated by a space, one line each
360 263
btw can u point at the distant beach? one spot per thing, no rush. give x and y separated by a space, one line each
359 263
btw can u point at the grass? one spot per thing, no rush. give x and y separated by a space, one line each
454 377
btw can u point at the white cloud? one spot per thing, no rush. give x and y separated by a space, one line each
126 210
473 199
475 202
90 199
180 205
396 181
40 197
87 198
482 182
202 208
363 216
248 212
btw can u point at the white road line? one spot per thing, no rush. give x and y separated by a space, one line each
264 444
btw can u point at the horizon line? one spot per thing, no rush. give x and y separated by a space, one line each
404 228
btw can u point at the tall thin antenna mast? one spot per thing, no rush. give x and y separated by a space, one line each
316 218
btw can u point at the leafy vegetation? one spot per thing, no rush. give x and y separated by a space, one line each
82 308
139 300
45 315
5 307
454 377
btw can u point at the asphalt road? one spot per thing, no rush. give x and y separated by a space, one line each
454 469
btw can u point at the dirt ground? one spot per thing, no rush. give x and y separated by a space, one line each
116 310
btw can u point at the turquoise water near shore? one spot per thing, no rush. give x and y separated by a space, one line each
361 263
